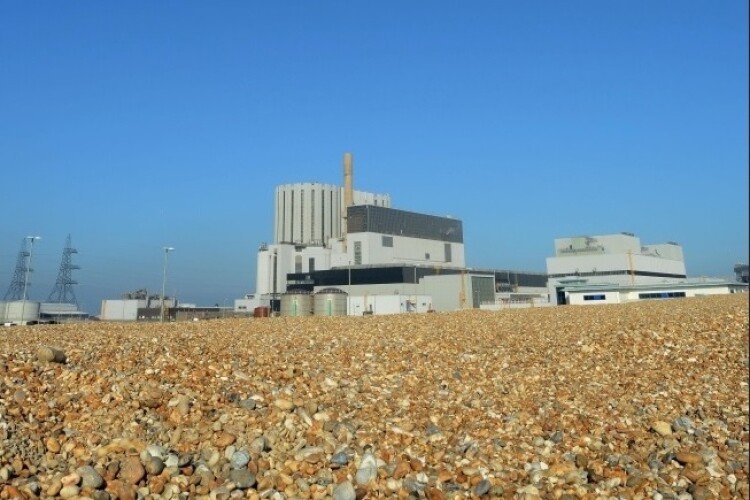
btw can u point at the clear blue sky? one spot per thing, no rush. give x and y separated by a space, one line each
134 125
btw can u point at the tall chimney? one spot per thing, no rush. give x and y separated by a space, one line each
348 189
348 192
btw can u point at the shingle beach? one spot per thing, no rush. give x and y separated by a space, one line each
642 400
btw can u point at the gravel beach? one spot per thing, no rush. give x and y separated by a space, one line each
641 400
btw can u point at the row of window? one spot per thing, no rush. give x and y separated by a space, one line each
661 295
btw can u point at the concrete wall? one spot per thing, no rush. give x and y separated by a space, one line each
389 304
405 250
311 213
121 310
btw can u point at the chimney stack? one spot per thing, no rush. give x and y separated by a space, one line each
348 192
348 189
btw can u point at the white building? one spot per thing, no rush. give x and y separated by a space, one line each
603 293
612 259
327 236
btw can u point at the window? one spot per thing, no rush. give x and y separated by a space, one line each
297 263
311 264
426 256
595 297
661 295
448 254
358 252
388 241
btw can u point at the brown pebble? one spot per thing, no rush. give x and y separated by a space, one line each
53 445
224 439
433 493
685 457
131 470
51 355
402 469
121 490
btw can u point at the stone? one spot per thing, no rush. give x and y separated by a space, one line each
131 470
90 478
51 355
685 457
242 478
662 428
69 491
344 491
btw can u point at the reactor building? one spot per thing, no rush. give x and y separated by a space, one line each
334 239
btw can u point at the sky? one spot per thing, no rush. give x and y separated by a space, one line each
137 125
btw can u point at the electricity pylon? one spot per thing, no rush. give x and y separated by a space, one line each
63 289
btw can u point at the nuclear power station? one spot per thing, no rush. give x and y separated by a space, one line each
353 246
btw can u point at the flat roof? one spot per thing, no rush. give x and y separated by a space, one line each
652 286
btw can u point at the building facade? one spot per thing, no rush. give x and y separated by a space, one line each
612 259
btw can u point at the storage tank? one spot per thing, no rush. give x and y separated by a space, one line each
296 304
331 302
14 311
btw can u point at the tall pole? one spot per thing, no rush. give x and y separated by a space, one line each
164 280
349 288
26 274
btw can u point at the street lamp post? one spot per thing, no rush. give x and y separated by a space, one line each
164 280
26 274
349 289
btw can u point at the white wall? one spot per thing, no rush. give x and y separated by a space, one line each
389 304
121 310
310 213
405 250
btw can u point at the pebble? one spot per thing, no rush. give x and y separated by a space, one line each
242 478
344 491
51 355
69 491
131 470
90 478
662 428
368 468
482 487
240 459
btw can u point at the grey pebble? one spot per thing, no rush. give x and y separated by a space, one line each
344 491
240 459
242 478
340 458
90 478
482 487
248 404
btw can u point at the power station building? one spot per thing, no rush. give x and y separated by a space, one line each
329 237
611 259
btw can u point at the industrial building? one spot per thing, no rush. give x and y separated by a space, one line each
385 260
602 293
617 268
742 273
138 305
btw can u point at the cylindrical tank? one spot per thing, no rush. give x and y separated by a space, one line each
296 304
262 312
330 302
22 311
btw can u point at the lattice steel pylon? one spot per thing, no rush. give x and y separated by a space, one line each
63 292
16 288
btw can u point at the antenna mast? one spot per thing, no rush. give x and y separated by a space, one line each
63 289
16 288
